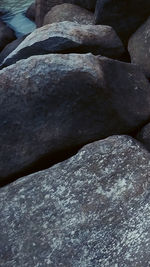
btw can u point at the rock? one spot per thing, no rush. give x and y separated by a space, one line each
125 16
66 37
7 35
54 103
69 12
139 45
30 13
10 48
44 6
144 136
91 210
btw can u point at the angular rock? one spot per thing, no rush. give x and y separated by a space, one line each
44 6
66 37
30 13
139 47
55 103
7 35
144 136
10 48
125 16
69 12
91 210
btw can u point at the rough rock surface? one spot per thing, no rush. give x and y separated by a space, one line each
7 35
44 6
144 136
125 16
91 210
10 48
56 102
65 37
69 12
30 13
139 47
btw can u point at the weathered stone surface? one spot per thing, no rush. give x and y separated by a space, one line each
10 47
65 37
125 16
54 103
7 35
139 47
144 136
30 13
69 12
44 6
91 210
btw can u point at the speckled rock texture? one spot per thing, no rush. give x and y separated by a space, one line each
91 210
7 35
144 136
125 16
44 6
69 12
139 47
54 103
66 37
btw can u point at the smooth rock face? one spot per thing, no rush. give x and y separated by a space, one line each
125 16
10 48
44 6
91 210
57 102
69 12
65 37
144 136
139 47
7 35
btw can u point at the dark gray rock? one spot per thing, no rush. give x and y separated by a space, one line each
55 103
44 6
144 136
7 35
139 47
91 210
30 13
10 47
69 12
65 37
125 16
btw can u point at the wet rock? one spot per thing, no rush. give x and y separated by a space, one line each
125 16
69 12
44 6
30 13
66 37
91 210
139 45
7 35
54 103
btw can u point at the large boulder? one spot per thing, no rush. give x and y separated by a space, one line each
54 103
69 12
66 37
125 16
43 6
139 47
91 210
7 35
30 12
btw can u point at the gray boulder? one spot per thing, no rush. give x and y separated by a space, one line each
30 13
44 6
125 16
69 12
65 37
139 47
55 103
144 136
91 210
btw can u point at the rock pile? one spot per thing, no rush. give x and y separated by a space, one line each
76 90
